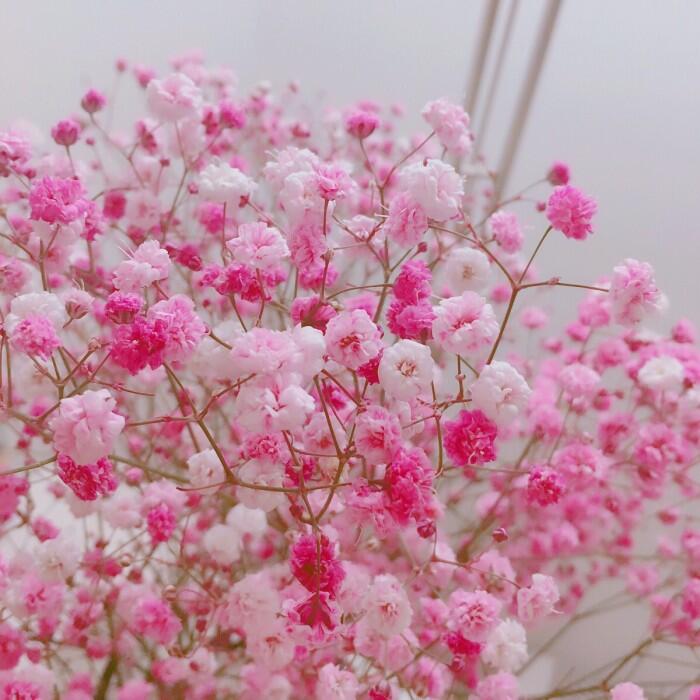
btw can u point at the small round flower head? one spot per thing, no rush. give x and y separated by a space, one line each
258 245
500 392
205 469
506 231
538 600
662 374
221 183
544 486
570 211
506 648
633 292
86 427
467 269
406 370
93 101
336 684
499 686
66 132
579 381
57 201
412 284
388 611
451 124
361 123
435 186
173 98
407 221
474 614
352 338
627 691
558 174
87 481
377 434
470 439
464 324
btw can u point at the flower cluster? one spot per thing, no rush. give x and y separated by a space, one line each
271 431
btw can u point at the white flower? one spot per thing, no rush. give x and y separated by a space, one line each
388 609
260 473
506 648
436 186
205 469
173 97
662 374
467 268
58 559
221 183
36 304
223 543
406 370
500 392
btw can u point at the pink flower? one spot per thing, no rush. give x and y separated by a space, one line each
173 98
407 220
122 308
406 370
570 211
537 601
558 174
377 434
336 684
182 328
412 284
361 124
435 186
87 481
35 335
66 132
451 124
633 292
470 439
506 230
93 101
474 613
500 392
388 610
150 263
409 479
222 183
544 486
12 646
161 523
57 201
627 691
332 182
315 566
464 324
139 344
500 686
258 245
412 321
352 338
467 269
86 427
150 616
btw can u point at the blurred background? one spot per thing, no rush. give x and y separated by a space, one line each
617 98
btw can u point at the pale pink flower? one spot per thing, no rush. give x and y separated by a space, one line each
500 392
173 98
352 338
221 183
406 222
506 230
205 469
406 370
388 611
627 691
86 427
467 269
633 292
435 186
451 124
506 648
150 263
336 684
464 324
538 600
258 245
570 211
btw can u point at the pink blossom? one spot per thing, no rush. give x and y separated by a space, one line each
173 98
377 434
538 600
500 392
474 613
258 245
506 231
352 338
464 324
406 370
407 220
435 186
57 201
361 124
633 292
451 124
627 691
570 211
66 132
86 427
87 481
470 439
